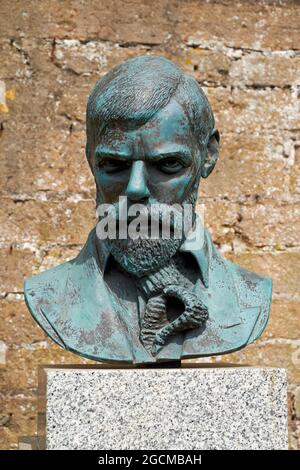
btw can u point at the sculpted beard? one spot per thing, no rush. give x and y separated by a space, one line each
144 255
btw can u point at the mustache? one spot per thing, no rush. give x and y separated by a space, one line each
149 212
158 220
142 220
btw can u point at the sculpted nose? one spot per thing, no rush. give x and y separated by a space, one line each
137 189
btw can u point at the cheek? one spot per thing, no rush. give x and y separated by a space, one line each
173 190
110 186
183 186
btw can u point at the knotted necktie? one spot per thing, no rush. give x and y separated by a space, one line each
158 288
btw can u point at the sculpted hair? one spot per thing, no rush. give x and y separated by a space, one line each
137 89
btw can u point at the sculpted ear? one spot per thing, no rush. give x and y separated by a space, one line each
212 154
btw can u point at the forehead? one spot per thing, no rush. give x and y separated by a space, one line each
169 130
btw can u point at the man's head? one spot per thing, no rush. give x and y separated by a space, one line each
150 137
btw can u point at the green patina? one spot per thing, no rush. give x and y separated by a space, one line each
151 137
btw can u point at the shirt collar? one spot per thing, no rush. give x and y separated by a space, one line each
197 242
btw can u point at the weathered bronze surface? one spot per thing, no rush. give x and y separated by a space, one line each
150 138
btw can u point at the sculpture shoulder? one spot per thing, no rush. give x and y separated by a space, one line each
56 296
52 281
254 291
44 279
253 288
42 292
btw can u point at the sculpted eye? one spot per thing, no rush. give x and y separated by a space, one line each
170 165
112 165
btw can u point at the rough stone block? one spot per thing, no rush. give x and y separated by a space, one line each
277 70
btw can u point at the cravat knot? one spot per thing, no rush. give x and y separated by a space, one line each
156 328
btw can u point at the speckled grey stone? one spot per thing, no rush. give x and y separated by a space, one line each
184 408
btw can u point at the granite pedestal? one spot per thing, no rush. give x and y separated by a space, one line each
165 408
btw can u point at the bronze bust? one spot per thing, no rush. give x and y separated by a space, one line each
151 136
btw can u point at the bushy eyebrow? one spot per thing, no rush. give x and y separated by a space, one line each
185 157
103 152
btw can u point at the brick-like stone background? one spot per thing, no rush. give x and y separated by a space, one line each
246 56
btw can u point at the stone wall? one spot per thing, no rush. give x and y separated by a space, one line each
246 56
